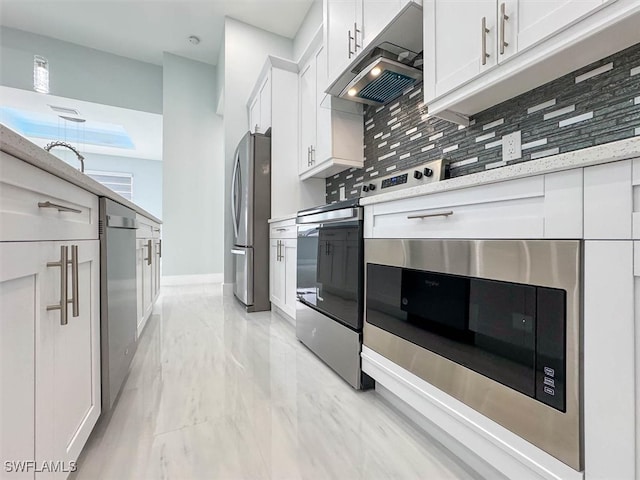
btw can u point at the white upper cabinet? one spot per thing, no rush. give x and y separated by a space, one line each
259 107
375 15
340 20
530 21
331 130
265 105
308 119
480 53
458 42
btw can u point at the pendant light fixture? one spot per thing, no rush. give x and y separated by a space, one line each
40 74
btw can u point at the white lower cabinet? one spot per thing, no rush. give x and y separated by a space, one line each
611 344
148 272
282 266
50 368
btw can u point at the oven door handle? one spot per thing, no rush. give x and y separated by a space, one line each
334 216
428 215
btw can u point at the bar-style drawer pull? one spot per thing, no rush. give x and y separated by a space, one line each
75 292
427 215
281 229
62 306
149 246
60 208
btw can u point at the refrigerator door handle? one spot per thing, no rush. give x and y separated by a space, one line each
234 206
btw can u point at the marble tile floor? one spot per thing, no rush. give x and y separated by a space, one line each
216 393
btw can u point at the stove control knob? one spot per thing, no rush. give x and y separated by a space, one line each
365 188
417 174
428 172
372 187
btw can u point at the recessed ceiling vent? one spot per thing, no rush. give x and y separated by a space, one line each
66 111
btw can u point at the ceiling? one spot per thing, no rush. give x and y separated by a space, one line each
142 128
144 29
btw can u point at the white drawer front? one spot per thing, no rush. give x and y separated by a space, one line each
608 201
147 228
35 205
535 207
284 229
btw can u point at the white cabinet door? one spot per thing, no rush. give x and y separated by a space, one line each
277 273
76 361
609 360
290 252
341 16
454 42
21 282
140 265
323 135
531 21
307 114
265 105
254 115
457 40
68 359
375 15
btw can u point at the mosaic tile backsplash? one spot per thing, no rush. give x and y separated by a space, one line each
597 104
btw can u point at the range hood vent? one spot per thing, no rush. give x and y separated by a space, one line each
388 65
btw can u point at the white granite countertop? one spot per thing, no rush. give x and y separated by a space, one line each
18 146
609 152
286 217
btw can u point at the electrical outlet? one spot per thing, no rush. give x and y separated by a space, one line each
512 146
343 195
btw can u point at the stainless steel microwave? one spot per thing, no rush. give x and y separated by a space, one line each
493 323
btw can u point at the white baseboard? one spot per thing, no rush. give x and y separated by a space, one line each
207 278
227 288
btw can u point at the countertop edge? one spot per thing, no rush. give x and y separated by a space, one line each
586 157
23 149
283 218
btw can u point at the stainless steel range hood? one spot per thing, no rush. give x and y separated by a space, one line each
391 62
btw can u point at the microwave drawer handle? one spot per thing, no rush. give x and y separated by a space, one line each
427 215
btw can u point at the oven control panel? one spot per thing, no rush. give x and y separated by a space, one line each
429 172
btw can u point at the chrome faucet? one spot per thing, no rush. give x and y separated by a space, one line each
70 147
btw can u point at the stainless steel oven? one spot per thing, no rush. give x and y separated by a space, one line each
330 286
493 323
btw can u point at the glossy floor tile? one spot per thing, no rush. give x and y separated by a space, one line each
216 393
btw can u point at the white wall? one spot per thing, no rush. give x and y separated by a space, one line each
80 72
246 49
310 25
193 173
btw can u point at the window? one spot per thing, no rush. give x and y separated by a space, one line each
119 182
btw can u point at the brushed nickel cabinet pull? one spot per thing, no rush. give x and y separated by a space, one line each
150 247
350 39
62 306
160 248
75 291
428 215
503 18
60 208
355 36
485 30
313 155
281 229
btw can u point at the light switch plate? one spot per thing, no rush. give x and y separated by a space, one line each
512 146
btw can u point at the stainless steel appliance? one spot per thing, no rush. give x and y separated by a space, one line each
118 300
330 275
493 323
330 287
251 208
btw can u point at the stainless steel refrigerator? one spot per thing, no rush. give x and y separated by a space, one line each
251 209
